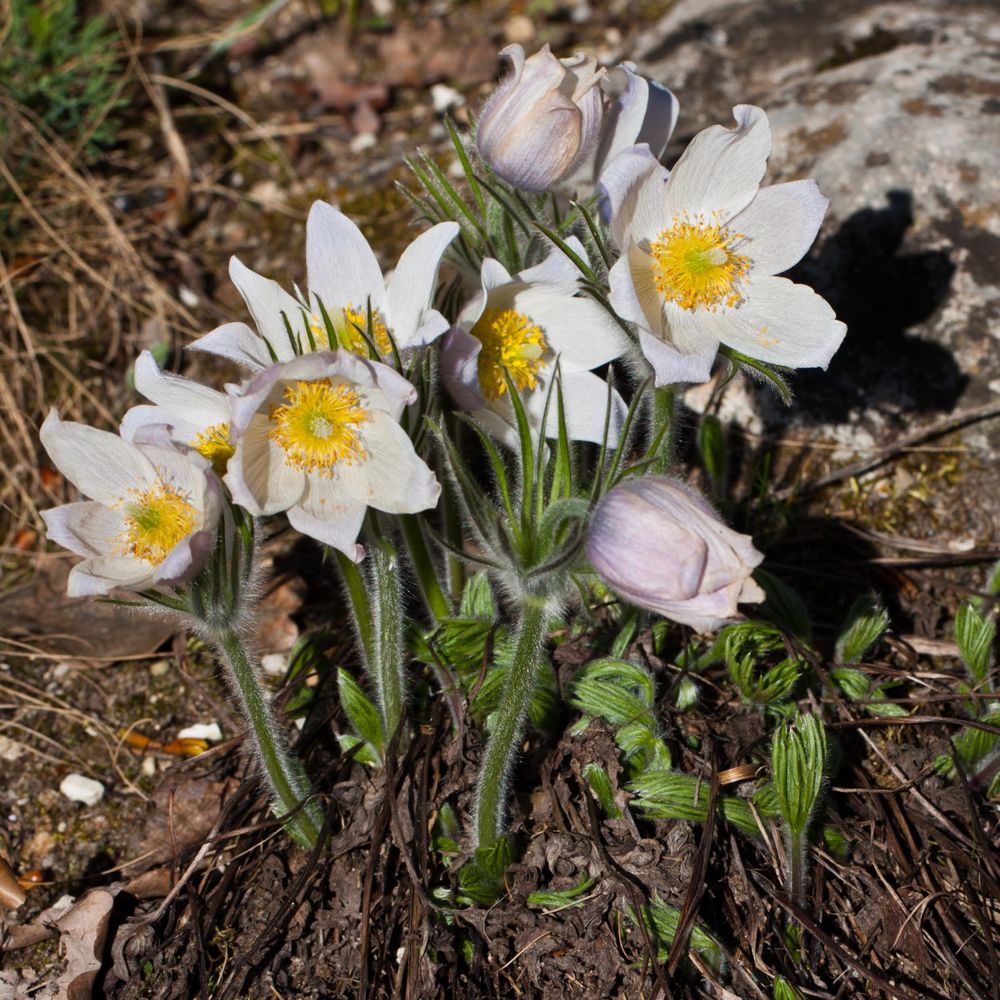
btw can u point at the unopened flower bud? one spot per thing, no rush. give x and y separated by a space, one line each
661 546
543 120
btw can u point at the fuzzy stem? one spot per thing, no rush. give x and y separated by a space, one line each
285 777
491 792
390 678
360 607
798 866
423 566
664 413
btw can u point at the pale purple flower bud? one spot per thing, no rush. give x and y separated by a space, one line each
662 547
543 120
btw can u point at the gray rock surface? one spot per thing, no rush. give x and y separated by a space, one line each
895 109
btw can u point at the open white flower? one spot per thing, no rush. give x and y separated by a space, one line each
185 413
152 514
345 280
319 437
521 326
700 251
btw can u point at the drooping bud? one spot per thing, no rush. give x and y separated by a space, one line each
660 545
543 120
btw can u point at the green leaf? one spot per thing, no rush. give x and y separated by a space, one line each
712 449
365 752
481 879
361 712
673 795
687 694
600 784
866 622
799 755
783 990
762 677
974 634
661 922
477 599
560 899
762 371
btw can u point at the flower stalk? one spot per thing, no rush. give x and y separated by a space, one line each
501 749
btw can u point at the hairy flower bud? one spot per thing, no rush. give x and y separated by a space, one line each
543 120
660 545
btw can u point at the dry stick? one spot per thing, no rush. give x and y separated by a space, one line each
953 423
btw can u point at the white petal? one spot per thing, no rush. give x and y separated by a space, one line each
237 342
432 326
258 476
342 269
100 465
459 368
671 367
186 558
153 425
780 224
193 403
577 328
781 322
104 573
397 391
646 112
86 528
721 170
631 190
585 404
498 421
557 268
321 517
493 273
410 290
633 293
267 300
393 477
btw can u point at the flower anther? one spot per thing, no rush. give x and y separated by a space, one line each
351 326
697 266
317 425
214 444
512 343
155 520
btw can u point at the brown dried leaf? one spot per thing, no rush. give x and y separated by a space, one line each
40 614
276 630
82 933
11 893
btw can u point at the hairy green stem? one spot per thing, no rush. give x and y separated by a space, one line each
798 867
361 610
390 678
285 776
423 566
501 749
664 415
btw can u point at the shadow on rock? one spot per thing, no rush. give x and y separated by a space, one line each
881 294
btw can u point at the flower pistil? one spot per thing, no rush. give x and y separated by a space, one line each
155 520
512 343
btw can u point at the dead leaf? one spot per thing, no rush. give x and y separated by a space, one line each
154 884
417 55
82 933
11 893
276 630
182 812
40 614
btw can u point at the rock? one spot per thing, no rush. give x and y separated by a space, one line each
79 788
209 731
894 108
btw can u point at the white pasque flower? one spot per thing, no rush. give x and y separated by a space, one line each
521 326
185 413
344 276
319 437
152 514
543 120
700 252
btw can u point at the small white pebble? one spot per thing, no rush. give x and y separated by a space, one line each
188 297
9 750
79 788
362 141
444 97
202 731
274 664
148 767
159 668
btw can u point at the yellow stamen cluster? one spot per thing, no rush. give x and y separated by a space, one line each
155 520
695 265
213 443
317 425
351 327
511 343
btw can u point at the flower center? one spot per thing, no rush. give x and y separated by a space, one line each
317 425
695 265
351 327
511 343
156 519
213 443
